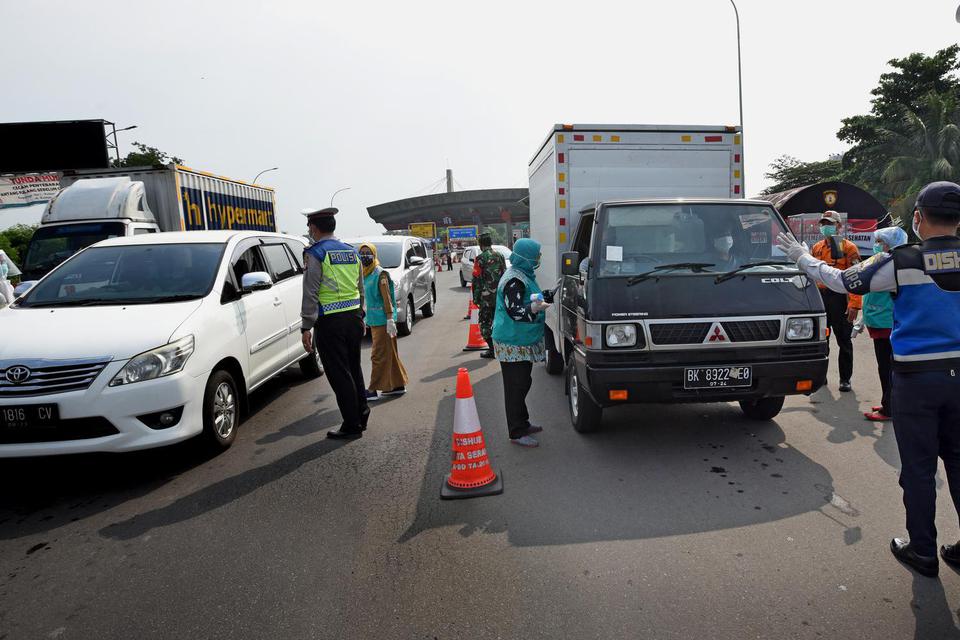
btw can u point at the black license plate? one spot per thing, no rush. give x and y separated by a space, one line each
28 416
713 377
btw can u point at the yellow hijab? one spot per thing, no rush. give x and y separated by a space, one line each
367 270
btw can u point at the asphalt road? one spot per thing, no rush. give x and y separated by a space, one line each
673 522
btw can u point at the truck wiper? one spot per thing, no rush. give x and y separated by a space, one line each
696 267
723 277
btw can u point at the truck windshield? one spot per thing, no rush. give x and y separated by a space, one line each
634 239
50 246
134 274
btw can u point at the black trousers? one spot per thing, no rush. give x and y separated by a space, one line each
925 410
884 352
836 307
338 339
517 378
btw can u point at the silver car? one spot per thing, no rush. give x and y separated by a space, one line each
470 254
409 261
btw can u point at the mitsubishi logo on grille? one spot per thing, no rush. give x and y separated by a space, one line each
716 334
18 374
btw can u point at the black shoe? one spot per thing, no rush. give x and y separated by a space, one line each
845 386
924 565
488 354
951 554
340 434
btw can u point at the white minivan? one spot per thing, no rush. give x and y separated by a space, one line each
143 341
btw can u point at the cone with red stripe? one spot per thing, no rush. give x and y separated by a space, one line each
475 341
471 474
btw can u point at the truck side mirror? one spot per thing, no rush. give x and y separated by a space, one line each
570 263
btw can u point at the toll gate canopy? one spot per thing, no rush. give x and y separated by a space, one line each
479 207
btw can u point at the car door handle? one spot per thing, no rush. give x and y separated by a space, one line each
277 302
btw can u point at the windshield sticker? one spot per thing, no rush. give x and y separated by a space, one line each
748 220
759 237
614 253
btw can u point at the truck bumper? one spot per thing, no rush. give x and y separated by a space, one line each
664 383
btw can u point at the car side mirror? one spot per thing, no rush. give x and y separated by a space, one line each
416 261
255 281
570 263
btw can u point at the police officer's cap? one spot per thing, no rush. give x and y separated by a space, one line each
313 213
943 195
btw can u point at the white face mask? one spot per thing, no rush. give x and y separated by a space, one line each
916 225
723 243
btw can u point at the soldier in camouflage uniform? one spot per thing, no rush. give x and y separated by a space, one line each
487 269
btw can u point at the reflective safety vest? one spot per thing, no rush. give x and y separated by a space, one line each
339 288
376 316
506 330
926 307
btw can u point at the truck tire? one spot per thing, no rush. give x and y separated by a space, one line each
463 283
585 414
554 361
762 409
405 328
428 308
221 411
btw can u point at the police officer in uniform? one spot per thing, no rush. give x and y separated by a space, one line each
924 279
332 308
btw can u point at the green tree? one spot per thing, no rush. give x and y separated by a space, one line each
789 173
910 135
15 240
145 156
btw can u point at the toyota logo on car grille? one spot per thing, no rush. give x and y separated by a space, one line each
18 374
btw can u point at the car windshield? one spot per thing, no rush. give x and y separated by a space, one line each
634 239
390 254
50 246
133 274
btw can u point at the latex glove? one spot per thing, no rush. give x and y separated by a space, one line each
538 305
391 328
307 338
789 245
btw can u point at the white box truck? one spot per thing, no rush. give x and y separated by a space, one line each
94 205
666 283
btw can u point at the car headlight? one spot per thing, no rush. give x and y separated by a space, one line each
156 363
621 335
799 328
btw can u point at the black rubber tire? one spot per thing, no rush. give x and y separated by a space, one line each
212 437
463 283
427 309
763 409
406 328
311 367
554 360
585 414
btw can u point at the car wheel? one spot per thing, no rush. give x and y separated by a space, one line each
585 414
406 327
554 360
311 367
221 410
763 409
463 283
427 309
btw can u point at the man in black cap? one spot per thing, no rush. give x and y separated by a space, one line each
925 281
333 307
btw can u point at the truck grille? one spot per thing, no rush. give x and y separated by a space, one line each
679 333
752 330
46 377
696 332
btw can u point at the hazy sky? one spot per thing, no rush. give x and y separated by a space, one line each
383 96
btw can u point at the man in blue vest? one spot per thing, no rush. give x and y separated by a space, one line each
332 306
924 279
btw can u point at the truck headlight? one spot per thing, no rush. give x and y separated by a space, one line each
799 329
159 362
621 335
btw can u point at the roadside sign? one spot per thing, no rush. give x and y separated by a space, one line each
21 190
462 233
426 230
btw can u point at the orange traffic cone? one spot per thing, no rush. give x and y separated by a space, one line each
471 474
475 341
